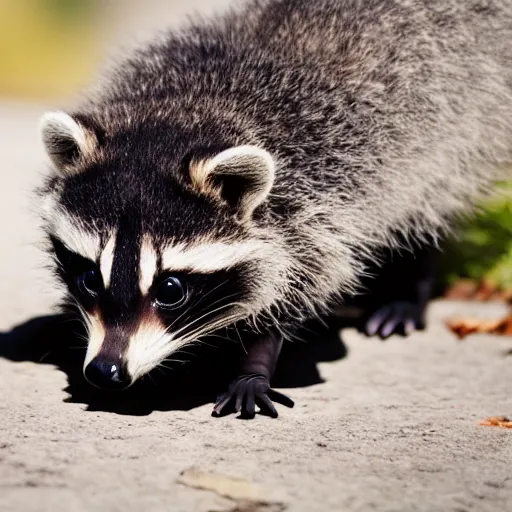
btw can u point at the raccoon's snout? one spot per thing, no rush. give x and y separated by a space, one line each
107 374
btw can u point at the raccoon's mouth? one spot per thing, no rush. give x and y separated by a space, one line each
115 361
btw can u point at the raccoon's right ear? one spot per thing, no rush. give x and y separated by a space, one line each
241 176
65 140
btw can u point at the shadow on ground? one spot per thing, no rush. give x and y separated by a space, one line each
58 340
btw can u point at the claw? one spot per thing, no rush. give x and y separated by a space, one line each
391 326
275 396
250 406
221 403
239 401
247 392
397 318
265 403
376 320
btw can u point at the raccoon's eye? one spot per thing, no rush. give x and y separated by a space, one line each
170 293
89 283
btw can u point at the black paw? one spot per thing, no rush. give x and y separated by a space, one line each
248 391
401 318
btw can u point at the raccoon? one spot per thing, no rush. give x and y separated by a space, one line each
248 172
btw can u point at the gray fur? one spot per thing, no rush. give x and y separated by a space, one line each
383 117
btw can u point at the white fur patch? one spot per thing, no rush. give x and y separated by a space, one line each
107 259
58 124
147 265
210 256
148 347
74 236
59 130
49 207
153 342
96 334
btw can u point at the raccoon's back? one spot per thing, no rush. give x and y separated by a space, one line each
411 101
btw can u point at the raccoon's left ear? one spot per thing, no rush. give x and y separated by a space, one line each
241 176
66 140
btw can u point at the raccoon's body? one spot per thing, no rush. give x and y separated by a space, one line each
245 170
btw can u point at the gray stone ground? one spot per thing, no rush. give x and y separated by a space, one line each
393 426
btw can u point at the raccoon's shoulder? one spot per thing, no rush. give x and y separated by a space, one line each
260 43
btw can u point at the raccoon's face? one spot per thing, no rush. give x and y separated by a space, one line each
154 258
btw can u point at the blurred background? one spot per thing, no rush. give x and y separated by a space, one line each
52 49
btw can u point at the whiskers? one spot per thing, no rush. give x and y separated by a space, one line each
195 304
211 318
162 350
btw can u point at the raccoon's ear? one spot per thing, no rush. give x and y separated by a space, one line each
65 140
242 176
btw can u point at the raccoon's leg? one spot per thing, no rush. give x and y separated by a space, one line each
399 295
252 387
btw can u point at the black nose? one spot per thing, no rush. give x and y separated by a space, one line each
107 374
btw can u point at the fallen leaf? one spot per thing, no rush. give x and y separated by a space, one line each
249 497
462 327
497 421
463 289
504 295
483 291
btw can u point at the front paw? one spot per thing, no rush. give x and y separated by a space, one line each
246 392
399 317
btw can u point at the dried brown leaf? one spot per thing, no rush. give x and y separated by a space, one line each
497 421
462 327
463 289
248 496
483 291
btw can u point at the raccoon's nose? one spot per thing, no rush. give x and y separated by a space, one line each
107 374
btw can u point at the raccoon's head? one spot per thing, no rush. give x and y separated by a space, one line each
156 252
